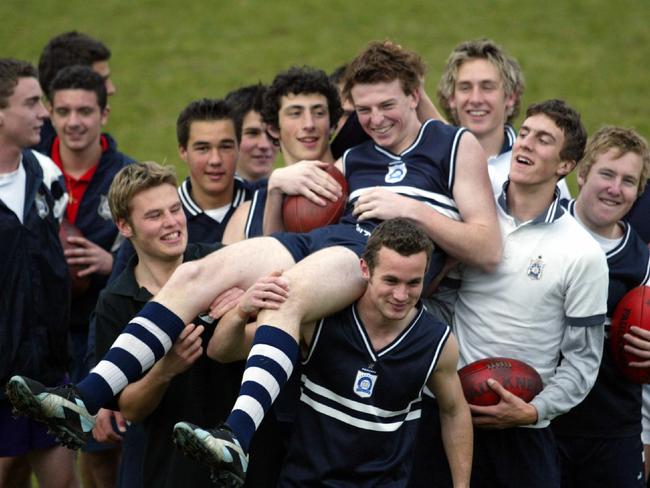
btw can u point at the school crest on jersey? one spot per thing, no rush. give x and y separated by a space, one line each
364 384
103 210
42 207
396 172
535 268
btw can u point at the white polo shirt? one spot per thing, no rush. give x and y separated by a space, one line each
553 277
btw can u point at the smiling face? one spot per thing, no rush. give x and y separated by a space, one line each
395 283
21 120
156 226
479 99
211 156
304 131
387 114
536 157
608 191
77 118
256 150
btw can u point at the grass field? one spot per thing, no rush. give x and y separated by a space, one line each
166 53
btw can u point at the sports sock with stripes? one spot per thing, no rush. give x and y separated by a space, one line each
268 367
145 340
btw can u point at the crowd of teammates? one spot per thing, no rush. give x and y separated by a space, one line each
519 270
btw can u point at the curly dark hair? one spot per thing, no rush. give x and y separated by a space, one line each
79 78
300 80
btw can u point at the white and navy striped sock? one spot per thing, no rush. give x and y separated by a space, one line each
145 340
268 367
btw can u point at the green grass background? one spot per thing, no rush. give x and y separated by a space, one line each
593 53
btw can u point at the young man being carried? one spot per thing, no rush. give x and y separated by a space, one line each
441 168
376 354
599 439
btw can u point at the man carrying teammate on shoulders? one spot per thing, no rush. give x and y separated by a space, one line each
373 355
441 168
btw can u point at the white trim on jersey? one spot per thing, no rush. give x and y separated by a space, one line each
441 203
407 414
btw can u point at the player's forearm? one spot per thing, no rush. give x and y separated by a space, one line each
457 438
138 400
273 212
582 350
229 340
473 243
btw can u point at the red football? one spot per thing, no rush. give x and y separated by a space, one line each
79 284
301 215
514 375
632 309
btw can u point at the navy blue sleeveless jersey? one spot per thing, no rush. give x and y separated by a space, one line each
359 408
255 219
613 406
639 215
424 171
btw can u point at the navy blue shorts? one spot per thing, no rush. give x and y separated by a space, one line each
596 462
353 237
21 435
515 457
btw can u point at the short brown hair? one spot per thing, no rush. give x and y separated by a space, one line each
11 70
383 62
568 120
624 141
133 179
399 235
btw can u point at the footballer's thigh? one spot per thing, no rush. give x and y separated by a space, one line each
195 284
319 285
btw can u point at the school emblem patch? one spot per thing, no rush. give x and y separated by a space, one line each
396 172
365 382
535 268
103 210
42 207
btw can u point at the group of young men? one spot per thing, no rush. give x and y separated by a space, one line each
474 209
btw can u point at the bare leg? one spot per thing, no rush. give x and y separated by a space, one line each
99 469
54 467
15 471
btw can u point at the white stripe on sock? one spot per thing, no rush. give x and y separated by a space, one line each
251 407
136 348
160 334
274 353
113 375
263 378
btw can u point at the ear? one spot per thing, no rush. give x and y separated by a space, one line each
452 101
124 228
274 131
415 96
182 152
365 270
105 113
565 167
510 103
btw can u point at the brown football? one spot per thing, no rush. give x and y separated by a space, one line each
79 284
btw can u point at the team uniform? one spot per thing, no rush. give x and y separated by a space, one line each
545 301
638 216
424 171
35 298
599 439
359 407
499 165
